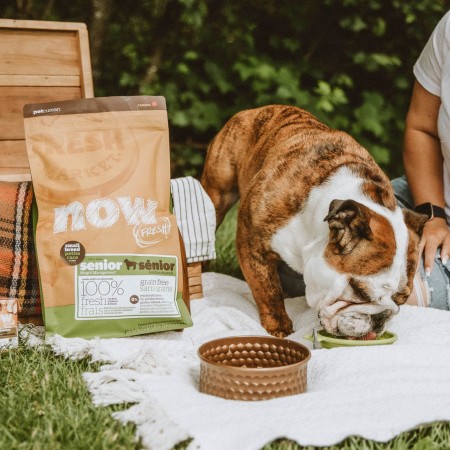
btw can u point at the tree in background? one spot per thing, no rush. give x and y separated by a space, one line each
349 62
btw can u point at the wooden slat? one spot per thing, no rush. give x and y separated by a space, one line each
40 80
195 281
87 84
194 269
196 296
18 174
42 24
14 98
195 289
13 154
31 52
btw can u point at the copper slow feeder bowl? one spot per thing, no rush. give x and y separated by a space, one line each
253 367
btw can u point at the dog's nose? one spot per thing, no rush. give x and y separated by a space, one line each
379 320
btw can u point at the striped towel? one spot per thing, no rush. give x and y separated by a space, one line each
18 268
196 218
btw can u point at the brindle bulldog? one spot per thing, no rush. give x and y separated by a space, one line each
314 198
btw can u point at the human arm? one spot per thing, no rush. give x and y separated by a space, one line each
422 159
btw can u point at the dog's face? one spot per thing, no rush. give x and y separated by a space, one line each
374 260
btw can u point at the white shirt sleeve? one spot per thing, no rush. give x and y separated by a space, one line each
428 68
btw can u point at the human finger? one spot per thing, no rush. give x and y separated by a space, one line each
445 249
429 253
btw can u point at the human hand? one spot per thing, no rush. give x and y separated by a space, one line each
435 234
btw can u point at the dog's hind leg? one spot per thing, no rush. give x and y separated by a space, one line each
220 184
220 172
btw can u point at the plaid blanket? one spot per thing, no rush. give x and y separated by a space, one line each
18 268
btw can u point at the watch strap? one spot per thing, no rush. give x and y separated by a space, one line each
431 210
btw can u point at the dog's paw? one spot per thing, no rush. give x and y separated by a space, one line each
279 334
278 328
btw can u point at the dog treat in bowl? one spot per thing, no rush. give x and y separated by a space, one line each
370 336
253 367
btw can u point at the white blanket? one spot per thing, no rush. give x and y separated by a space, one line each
375 392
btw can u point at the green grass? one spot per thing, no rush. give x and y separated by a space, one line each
44 402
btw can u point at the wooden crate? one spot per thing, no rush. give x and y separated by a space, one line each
195 280
39 62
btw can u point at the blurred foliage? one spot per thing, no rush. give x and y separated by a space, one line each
349 62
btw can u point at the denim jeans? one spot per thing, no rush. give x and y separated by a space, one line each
439 280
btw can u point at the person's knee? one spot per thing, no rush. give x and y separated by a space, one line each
439 284
432 290
421 294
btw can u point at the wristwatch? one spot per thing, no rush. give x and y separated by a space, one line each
431 210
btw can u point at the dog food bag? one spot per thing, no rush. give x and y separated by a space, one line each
108 248
8 323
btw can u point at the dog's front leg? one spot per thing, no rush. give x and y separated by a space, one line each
260 272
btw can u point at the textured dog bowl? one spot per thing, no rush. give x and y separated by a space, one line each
253 367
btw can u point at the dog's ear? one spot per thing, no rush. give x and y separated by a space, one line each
414 221
348 221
